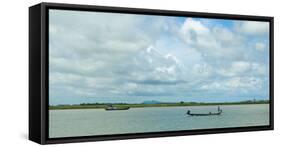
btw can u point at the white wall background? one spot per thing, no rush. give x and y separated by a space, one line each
14 72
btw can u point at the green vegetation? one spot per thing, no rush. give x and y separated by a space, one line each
141 105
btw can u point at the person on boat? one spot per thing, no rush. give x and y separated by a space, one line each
219 109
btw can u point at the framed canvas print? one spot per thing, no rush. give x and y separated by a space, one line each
102 73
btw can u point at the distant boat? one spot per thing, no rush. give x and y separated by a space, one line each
205 114
111 108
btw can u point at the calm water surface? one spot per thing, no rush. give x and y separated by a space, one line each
89 122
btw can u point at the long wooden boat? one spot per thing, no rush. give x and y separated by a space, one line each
111 108
205 114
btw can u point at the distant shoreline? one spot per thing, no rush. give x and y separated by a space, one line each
141 105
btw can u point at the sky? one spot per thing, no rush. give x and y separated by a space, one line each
129 58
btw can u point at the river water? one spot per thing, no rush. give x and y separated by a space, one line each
89 122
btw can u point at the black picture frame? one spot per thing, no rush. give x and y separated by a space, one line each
38 72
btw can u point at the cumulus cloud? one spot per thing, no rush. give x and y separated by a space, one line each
235 84
214 43
111 57
253 27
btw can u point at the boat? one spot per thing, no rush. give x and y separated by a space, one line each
205 114
111 108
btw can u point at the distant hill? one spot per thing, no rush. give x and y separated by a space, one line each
151 102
